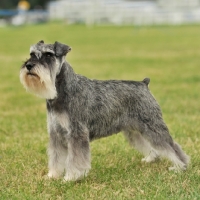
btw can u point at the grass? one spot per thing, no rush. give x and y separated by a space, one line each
170 56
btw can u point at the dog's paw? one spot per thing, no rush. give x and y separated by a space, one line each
177 169
75 176
148 159
152 157
53 175
69 177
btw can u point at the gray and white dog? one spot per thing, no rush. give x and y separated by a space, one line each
80 110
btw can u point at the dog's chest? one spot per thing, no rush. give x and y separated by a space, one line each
58 121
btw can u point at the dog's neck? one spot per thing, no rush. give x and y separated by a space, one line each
64 83
66 78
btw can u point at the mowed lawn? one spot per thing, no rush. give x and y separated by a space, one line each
169 55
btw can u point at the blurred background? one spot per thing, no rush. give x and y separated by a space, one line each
138 12
110 39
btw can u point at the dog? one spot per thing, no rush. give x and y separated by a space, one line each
80 110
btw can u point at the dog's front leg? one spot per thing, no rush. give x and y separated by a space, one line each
57 156
78 159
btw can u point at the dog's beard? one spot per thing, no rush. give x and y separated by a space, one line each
38 81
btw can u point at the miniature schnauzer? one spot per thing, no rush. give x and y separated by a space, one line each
80 110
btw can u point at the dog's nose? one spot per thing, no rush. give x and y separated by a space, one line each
29 66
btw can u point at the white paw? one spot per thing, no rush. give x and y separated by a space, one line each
177 168
148 159
53 174
153 156
78 175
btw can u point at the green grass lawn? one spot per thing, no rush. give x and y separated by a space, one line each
170 56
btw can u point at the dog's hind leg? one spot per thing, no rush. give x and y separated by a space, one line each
162 142
177 156
142 145
78 160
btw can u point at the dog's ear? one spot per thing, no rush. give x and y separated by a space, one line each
41 42
61 49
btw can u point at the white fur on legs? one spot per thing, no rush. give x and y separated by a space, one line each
151 157
142 145
57 158
75 174
169 153
178 165
78 162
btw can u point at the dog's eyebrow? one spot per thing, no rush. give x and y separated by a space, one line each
38 54
46 49
49 51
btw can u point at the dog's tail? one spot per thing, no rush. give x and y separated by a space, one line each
146 81
181 154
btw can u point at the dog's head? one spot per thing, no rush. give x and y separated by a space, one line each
39 72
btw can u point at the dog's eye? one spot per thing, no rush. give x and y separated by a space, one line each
48 54
32 55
